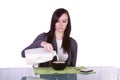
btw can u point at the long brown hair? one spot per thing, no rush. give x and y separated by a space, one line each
66 40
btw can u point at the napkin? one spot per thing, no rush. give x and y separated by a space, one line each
38 55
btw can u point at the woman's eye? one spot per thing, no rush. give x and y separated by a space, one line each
64 21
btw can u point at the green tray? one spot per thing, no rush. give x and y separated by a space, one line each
67 70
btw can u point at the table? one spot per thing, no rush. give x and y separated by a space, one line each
102 73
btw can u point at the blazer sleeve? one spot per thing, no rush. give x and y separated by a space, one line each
36 43
74 47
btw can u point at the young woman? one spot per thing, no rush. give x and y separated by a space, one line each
58 39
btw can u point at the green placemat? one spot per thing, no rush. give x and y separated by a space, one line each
67 70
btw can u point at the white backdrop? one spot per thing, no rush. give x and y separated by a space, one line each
95 26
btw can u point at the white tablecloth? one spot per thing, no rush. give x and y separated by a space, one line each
102 73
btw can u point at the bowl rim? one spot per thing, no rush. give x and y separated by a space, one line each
59 62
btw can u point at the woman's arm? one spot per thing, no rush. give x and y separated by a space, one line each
36 43
73 52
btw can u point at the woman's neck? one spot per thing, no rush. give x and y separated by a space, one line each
58 35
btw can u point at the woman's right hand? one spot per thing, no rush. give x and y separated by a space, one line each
47 46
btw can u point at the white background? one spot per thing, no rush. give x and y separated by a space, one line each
95 26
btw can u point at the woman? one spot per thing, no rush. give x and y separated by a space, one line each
58 39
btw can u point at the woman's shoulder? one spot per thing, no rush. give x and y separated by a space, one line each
73 41
43 34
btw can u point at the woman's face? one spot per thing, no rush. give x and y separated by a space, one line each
61 24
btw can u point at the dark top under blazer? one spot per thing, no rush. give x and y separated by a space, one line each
43 37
